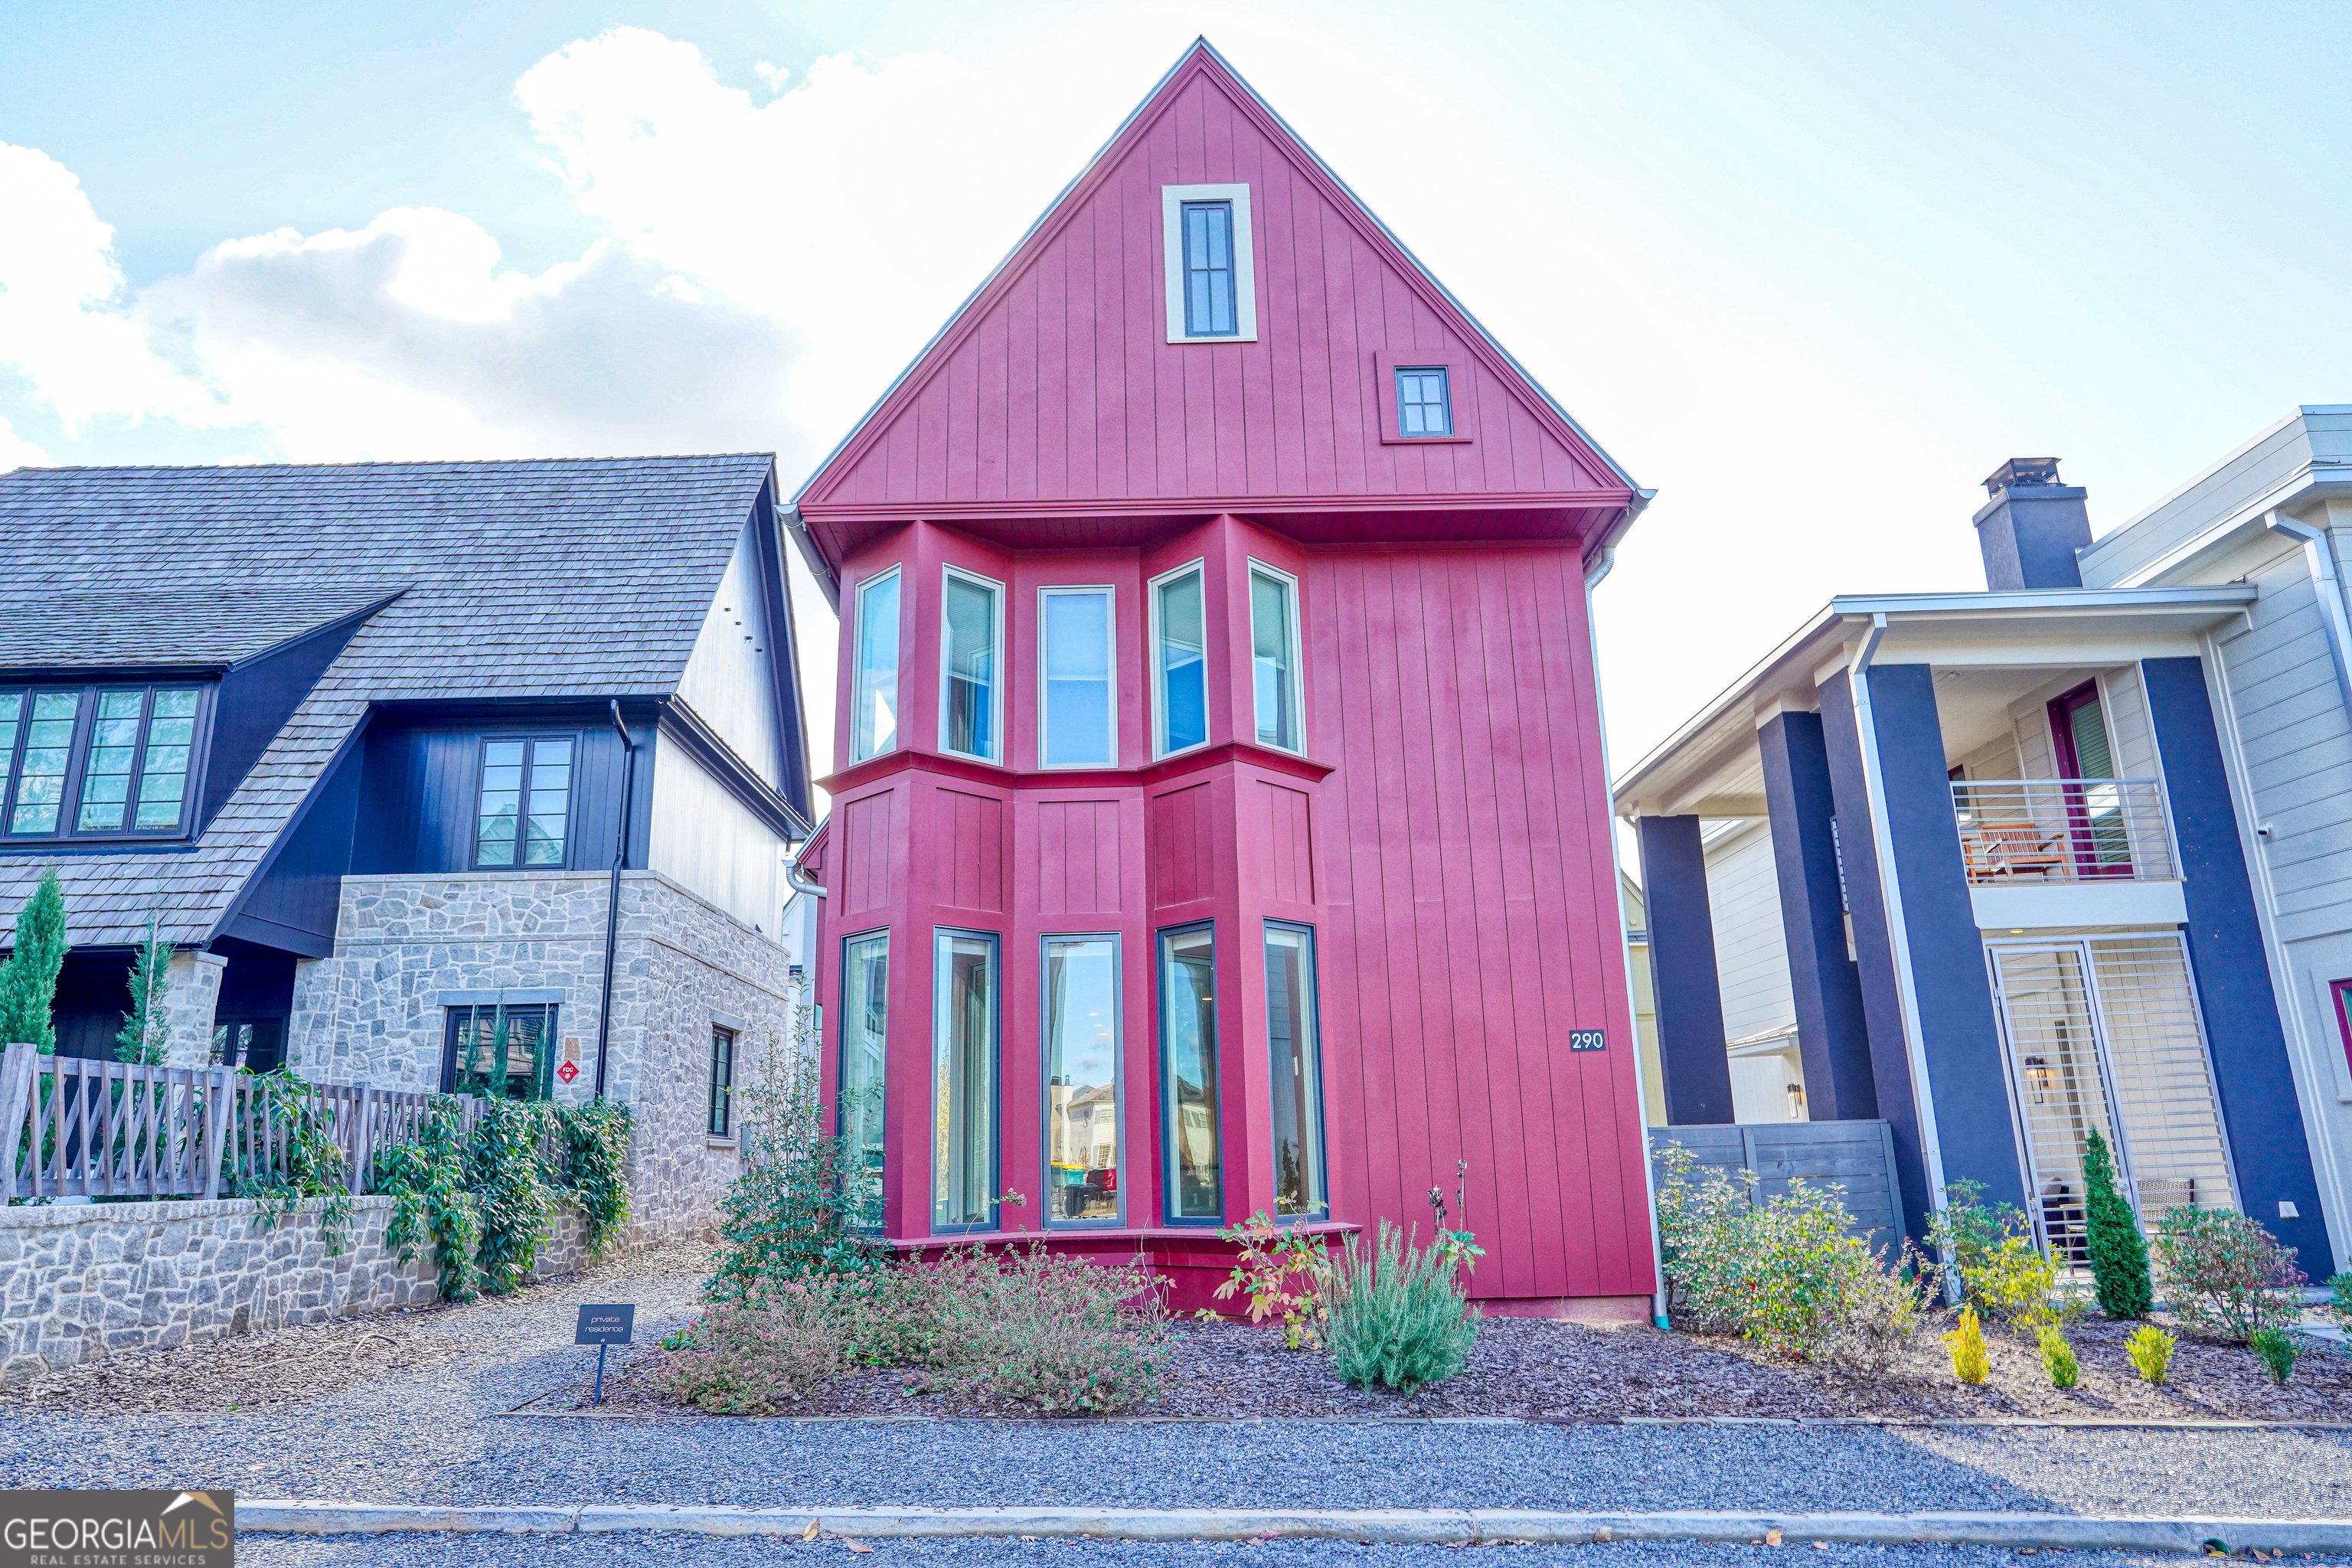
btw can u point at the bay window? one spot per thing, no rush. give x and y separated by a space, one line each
1188 1052
874 701
1078 722
1082 1079
964 1080
1274 655
864 1034
1297 1076
1180 672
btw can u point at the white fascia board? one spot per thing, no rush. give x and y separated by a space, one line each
2052 906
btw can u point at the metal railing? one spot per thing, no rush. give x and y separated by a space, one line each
2064 830
76 1127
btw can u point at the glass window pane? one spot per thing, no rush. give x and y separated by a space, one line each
121 704
1188 1049
865 1031
1082 1079
166 759
968 713
1079 689
551 753
12 704
1423 405
1273 636
722 1081
875 723
57 705
1183 674
963 1079
172 731
1296 1072
41 772
159 813
176 703
1209 305
502 753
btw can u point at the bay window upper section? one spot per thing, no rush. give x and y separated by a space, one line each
100 763
1074 660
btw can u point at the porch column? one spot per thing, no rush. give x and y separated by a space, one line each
1922 958
2261 1113
1831 1032
1682 972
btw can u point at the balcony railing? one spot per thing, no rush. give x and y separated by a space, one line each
2064 830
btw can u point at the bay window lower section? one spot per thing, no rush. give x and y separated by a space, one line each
1296 1078
964 1080
1082 1079
1187 1051
865 1034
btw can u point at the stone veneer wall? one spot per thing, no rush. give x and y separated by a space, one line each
373 1011
87 1280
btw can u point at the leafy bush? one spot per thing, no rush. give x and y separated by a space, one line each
1288 1274
510 1194
2339 1296
1787 1276
1968 1231
2017 1283
783 1219
1056 1333
1971 1363
746 1359
28 977
2276 1351
2224 1275
2118 1251
2151 1353
1400 1318
596 1167
2058 1357
427 1180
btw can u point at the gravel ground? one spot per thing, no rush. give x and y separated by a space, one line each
423 1423
703 1552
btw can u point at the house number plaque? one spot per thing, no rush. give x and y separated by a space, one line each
1587 1040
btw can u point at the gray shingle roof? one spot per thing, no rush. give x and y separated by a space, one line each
581 578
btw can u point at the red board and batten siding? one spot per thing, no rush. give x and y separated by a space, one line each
1068 391
1445 833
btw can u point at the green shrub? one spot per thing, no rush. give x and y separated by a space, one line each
1789 1276
1971 1363
511 1196
2118 1251
2058 1357
1400 1317
2339 1296
28 978
2224 1275
2018 1284
595 1139
2151 1353
1055 1332
1969 1232
2276 1351
783 1219
746 1359
427 1180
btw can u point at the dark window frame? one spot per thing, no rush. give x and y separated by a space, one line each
1045 942
1445 405
530 739
996 1209
852 1208
722 1121
86 695
455 1018
1171 1177
1313 1053
1461 403
1230 272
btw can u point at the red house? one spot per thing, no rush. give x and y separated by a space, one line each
1221 822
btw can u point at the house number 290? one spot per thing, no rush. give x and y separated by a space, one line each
1587 1040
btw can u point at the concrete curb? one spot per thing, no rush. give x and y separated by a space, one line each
2184 1536
1064 1423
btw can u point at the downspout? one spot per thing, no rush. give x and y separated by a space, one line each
800 884
1898 935
2319 559
612 898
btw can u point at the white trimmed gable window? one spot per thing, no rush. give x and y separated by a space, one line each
1212 277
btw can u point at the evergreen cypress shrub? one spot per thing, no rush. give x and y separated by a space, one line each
28 981
146 1035
2118 1250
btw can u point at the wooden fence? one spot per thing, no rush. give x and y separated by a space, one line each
78 1127
1858 1156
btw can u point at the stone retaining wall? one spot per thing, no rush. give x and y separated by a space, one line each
80 1281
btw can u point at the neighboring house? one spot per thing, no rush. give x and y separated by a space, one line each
1220 826
361 741
1644 998
2020 882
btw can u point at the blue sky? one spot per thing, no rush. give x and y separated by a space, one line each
1810 270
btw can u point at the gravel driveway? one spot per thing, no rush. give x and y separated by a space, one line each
429 1427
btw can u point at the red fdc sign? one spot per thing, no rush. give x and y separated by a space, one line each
568 1072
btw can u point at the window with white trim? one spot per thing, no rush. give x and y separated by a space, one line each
971 638
1077 716
874 721
1211 278
1179 671
1274 655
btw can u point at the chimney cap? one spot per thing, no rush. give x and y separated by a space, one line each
2022 471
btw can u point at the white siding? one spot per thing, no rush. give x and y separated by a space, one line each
1752 952
730 682
2123 703
706 839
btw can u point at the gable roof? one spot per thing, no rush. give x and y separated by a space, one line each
1055 385
515 580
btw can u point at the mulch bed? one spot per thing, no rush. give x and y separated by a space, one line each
1566 1372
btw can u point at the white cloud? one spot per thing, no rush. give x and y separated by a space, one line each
65 323
16 452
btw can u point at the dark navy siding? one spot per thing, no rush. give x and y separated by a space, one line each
1874 969
2260 1111
290 904
1831 1032
1960 1033
1689 996
423 783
